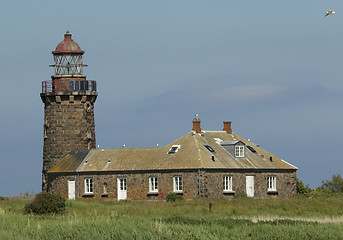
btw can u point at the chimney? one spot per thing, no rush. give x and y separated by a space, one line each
196 124
227 127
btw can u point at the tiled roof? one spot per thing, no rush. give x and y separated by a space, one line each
191 155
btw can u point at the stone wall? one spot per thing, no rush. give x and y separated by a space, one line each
211 184
68 125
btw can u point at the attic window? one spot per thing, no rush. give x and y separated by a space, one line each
174 149
239 151
209 148
251 149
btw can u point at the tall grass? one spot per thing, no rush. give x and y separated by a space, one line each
180 227
240 218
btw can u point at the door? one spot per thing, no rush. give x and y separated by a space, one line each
250 186
122 193
71 189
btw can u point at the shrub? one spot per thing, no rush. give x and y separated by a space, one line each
2 198
303 189
335 185
172 197
46 202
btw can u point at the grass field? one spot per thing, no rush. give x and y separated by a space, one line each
320 217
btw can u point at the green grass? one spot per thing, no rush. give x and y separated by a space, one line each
235 219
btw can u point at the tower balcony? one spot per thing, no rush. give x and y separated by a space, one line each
69 85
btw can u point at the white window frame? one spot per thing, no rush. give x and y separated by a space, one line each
153 184
89 185
239 151
227 183
271 183
178 184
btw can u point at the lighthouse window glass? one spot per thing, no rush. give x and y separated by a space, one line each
77 85
71 85
82 85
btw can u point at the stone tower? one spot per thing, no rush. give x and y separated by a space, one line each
68 107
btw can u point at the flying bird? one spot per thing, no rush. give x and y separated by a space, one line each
329 13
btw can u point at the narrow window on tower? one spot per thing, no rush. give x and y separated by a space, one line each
45 130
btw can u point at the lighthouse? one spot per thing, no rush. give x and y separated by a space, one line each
68 106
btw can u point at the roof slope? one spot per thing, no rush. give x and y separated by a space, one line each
70 162
190 155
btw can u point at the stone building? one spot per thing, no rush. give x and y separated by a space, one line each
200 164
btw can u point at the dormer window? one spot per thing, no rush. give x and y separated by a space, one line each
235 148
174 149
239 151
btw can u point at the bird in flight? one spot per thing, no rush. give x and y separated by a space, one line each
329 13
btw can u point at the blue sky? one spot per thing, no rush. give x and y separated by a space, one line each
272 68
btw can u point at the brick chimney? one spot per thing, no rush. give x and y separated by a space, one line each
196 124
227 127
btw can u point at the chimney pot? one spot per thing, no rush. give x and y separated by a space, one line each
227 127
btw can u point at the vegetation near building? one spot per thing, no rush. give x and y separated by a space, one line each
319 217
46 203
303 189
335 185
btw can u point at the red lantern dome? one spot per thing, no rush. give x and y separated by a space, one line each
68 46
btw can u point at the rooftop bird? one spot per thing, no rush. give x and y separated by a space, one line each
329 13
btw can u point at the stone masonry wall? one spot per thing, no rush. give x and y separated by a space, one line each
68 125
285 183
211 184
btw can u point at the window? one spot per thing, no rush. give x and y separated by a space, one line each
77 85
122 184
239 151
227 183
153 184
209 148
89 185
71 85
174 149
251 149
178 184
271 183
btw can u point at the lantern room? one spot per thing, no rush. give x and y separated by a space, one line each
68 67
68 57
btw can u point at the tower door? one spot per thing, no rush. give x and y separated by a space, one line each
250 186
71 189
122 192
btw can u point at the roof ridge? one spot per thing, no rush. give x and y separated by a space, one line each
198 150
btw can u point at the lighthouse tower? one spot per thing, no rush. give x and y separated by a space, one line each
68 106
